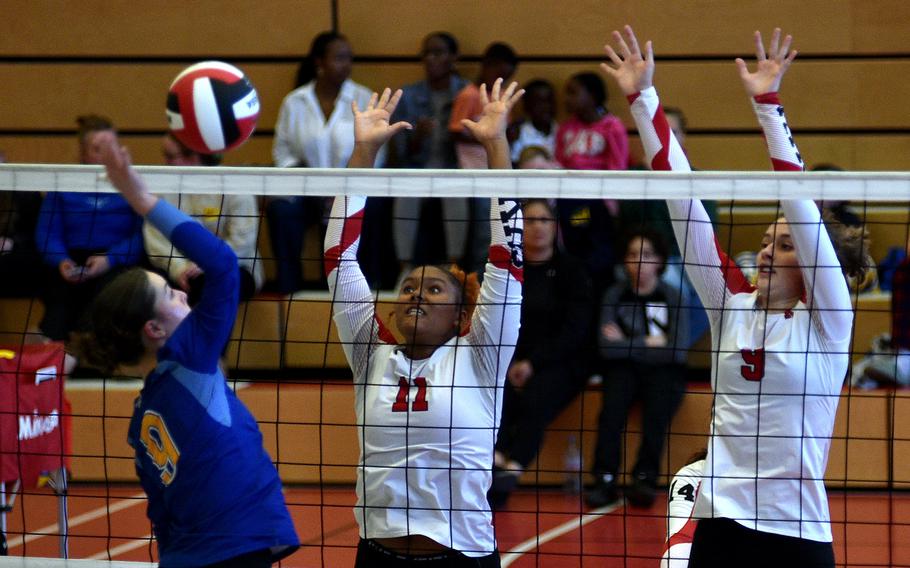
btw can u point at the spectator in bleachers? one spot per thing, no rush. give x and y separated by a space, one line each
314 130
590 139
635 214
427 105
888 364
19 259
233 218
537 158
643 335
84 239
839 208
499 61
538 127
549 367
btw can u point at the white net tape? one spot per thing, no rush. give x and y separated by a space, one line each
752 186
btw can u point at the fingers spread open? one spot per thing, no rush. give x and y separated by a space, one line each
759 47
484 99
785 47
775 42
497 85
614 57
384 98
393 103
633 41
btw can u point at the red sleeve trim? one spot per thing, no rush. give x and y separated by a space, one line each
768 98
785 166
684 536
349 234
733 277
384 333
633 97
502 258
661 160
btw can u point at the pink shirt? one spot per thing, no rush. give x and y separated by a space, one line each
603 145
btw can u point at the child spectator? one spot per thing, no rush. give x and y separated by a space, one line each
538 127
591 138
85 239
642 334
427 104
233 218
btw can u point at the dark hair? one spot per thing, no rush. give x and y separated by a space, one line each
697 456
851 243
499 52
536 84
661 248
92 123
447 38
116 318
826 167
677 112
467 285
204 159
542 202
595 86
318 49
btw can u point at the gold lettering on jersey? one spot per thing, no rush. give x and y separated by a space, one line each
160 447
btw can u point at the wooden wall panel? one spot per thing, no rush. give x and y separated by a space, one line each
50 96
582 26
161 27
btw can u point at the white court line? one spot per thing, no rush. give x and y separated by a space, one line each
535 541
122 548
54 529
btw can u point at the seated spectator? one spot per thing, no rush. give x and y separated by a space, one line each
427 105
538 127
537 158
549 368
234 218
19 260
642 331
499 61
85 239
889 363
315 129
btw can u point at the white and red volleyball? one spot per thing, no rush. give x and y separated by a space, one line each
212 107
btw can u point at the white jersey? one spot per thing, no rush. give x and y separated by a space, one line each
776 377
680 524
427 427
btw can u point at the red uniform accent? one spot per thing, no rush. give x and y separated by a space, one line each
349 235
785 166
736 281
502 258
34 433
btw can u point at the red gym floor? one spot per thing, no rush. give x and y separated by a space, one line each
544 528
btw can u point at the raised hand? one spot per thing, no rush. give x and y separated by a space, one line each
371 125
118 164
632 70
771 66
493 121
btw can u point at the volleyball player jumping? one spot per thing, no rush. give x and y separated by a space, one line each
781 348
428 408
214 497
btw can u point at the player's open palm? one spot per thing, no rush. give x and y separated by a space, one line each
495 115
371 125
632 69
771 65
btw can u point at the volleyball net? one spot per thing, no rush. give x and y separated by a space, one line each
286 361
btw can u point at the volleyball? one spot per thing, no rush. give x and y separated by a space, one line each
212 107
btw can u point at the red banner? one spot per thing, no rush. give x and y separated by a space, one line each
34 437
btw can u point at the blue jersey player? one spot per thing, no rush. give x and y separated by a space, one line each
214 496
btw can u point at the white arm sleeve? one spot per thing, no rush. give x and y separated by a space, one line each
497 317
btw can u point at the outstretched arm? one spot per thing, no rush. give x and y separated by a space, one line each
827 294
497 318
352 300
707 266
762 86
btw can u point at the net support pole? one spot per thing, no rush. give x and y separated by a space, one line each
60 488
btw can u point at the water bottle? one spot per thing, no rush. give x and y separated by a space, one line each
572 466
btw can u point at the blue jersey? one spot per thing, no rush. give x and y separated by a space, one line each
213 491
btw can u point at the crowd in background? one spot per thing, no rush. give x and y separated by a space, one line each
604 296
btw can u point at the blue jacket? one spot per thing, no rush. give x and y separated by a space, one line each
88 221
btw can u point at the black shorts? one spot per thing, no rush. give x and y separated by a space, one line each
256 559
371 554
724 542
